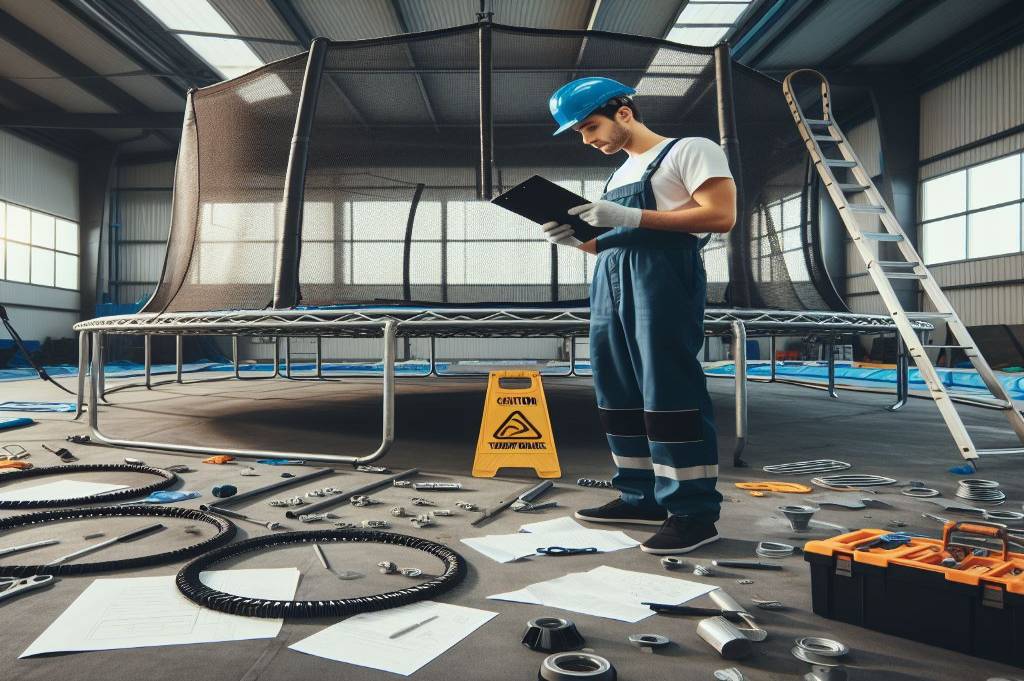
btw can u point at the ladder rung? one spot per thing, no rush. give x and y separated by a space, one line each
865 208
1006 450
882 236
817 121
852 188
839 163
897 263
904 275
929 315
826 138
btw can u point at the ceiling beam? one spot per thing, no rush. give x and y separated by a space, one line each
304 34
403 25
68 143
892 22
791 22
56 59
87 121
991 35
144 40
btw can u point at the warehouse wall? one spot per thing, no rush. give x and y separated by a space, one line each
45 181
860 290
983 101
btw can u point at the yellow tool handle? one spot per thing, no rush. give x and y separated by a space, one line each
793 487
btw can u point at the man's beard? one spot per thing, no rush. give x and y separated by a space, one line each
618 138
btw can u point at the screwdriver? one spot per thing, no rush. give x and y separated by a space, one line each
136 534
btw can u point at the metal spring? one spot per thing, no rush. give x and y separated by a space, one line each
314 517
825 647
592 482
420 501
290 501
806 467
703 571
980 490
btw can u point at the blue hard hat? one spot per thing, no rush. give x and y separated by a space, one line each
574 101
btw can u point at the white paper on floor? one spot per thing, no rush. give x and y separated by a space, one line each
564 532
138 612
59 489
608 592
364 639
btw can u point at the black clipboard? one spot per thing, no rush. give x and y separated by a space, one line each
542 200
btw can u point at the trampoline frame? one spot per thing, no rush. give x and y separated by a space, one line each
432 323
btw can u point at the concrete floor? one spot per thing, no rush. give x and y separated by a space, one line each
437 422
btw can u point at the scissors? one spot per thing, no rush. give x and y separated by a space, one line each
562 551
9 588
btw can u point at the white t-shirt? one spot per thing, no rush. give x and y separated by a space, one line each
690 163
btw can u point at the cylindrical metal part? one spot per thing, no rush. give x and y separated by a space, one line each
724 637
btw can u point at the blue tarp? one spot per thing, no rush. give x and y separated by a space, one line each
955 380
37 406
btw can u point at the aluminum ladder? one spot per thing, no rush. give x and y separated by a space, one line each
856 182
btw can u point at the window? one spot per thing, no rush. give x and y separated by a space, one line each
976 212
777 233
37 248
706 22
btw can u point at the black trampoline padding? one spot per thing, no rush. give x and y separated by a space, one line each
225 533
166 479
189 584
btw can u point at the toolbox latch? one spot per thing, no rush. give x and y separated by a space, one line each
844 566
992 596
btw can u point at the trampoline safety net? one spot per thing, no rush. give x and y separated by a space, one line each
380 199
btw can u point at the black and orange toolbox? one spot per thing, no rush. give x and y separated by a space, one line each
943 592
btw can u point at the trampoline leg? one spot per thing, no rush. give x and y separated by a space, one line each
83 368
234 355
178 357
739 355
147 360
319 357
829 348
902 375
771 350
102 342
572 356
433 358
387 430
288 356
277 358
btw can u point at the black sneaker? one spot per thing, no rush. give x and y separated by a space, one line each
619 511
679 534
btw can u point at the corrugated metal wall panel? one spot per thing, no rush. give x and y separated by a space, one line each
145 215
148 175
37 177
867 144
39 325
984 101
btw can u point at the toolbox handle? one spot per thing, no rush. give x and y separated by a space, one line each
979 527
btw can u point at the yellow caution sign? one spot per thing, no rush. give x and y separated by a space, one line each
516 430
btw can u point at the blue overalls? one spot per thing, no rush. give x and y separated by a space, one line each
646 328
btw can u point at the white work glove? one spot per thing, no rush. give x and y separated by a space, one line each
560 234
607 214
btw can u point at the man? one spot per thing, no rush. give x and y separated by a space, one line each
647 312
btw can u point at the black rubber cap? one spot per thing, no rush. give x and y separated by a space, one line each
552 635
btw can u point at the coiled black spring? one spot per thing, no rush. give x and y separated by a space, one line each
167 479
591 482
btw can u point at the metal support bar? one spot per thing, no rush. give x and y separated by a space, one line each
147 360
387 430
902 374
102 373
831 359
83 368
179 356
739 355
319 357
288 356
771 350
234 355
486 113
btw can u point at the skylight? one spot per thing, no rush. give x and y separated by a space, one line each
228 56
707 22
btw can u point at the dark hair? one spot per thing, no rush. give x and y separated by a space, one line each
612 106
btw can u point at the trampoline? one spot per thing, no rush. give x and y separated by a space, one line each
343 193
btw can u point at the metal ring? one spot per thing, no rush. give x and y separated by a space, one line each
771 549
196 591
919 492
167 479
649 640
825 647
1003 516
572 666
225 532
